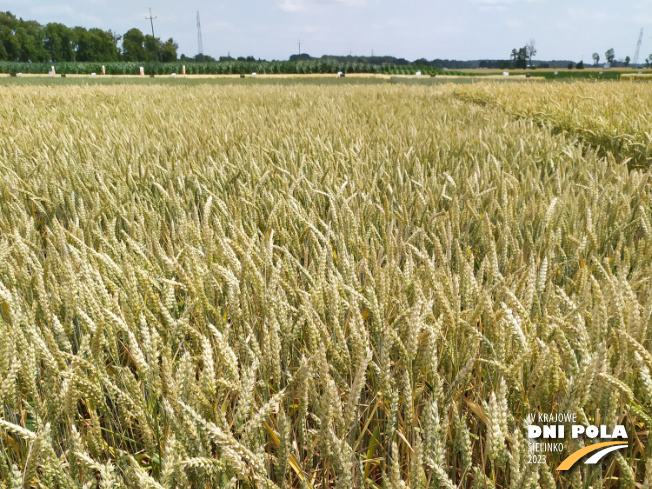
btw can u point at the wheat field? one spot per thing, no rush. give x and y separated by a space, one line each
315 287
615 118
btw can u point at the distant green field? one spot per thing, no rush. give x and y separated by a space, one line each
549 73
188 81
234 80
217 68
192 81
469 76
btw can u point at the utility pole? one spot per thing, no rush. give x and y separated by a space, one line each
200 43
638 47
151 20
299 46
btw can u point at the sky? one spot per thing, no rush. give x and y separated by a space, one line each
458 29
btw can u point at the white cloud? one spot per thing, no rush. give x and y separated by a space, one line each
513 23
52 13
589 14
54 10
303 5
498 5
315 29
293 5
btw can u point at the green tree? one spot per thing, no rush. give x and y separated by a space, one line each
169 51
30 35
627 60
9 43
152 48
610 55
60 42
133 48
520 57
530 51
205 58
95 45
596 58
580 65
83 45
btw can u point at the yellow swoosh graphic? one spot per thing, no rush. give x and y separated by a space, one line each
575 456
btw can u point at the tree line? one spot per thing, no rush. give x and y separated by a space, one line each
29 41
448 64
522 58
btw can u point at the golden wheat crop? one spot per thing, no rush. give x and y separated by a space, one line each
314 287
614 117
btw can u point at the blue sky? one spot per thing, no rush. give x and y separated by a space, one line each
462 29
